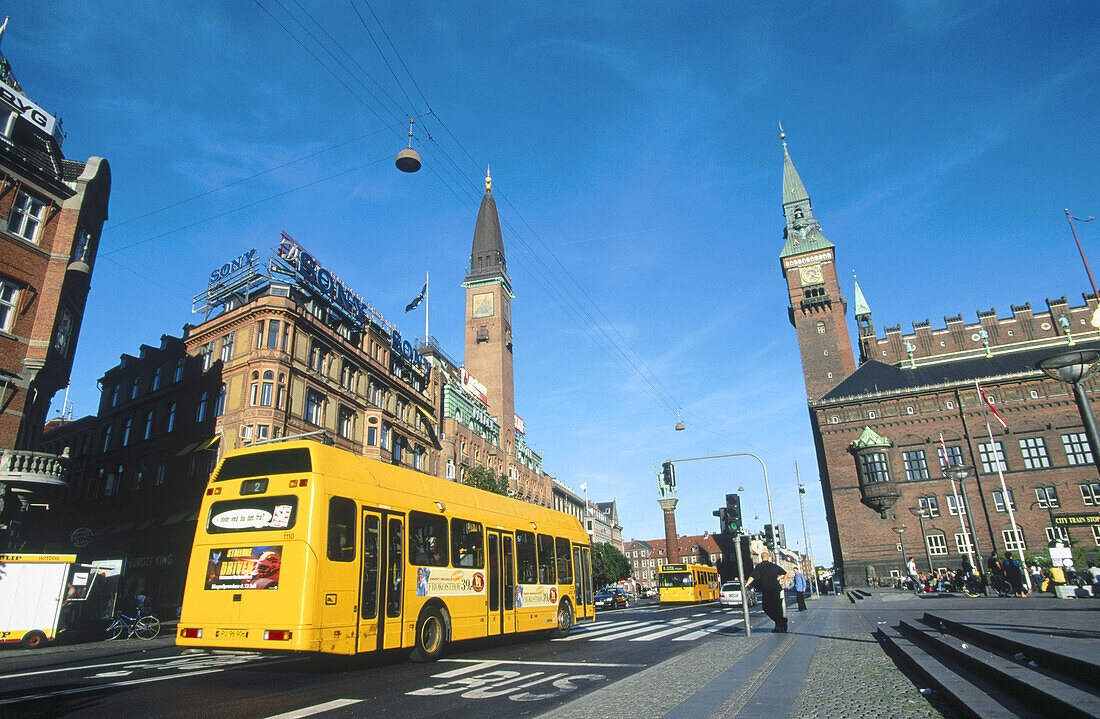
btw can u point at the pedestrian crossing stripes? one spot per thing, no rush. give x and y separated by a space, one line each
678 630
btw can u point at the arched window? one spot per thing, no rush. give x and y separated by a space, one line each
127 430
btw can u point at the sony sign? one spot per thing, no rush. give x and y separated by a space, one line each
26 109
232 266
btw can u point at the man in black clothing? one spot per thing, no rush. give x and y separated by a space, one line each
766 578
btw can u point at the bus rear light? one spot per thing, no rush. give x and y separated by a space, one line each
278 635
214 490
298 483
191 633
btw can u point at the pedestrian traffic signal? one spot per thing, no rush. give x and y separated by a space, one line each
733 514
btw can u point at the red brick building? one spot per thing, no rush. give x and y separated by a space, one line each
52 211
878 426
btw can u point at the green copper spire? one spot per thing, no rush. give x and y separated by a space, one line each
803 234
793 189
862 308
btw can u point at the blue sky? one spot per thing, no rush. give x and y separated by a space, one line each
637 167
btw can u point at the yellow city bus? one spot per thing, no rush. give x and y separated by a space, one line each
687 583
305 547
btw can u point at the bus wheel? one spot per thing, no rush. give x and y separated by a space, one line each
565 619
33 640
430 633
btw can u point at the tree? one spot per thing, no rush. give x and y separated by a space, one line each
486 479
608 565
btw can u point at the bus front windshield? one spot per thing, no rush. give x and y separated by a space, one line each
676 579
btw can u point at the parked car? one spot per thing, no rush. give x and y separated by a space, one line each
730 595
611 598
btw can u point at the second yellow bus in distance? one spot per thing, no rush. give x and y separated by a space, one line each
687 583
305 547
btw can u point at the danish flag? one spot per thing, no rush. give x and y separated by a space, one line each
989 403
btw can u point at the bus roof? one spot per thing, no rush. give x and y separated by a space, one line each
398 485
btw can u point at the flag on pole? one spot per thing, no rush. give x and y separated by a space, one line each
946 457
419 298
584 487
989 403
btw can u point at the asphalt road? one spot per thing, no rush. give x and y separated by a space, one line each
517 676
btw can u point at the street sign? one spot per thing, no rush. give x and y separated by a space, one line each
1077 519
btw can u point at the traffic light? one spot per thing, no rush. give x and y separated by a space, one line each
769 536
733 514
723 520
668 474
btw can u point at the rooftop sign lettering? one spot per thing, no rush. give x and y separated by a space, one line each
34 114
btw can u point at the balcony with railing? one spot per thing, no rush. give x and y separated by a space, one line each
24 467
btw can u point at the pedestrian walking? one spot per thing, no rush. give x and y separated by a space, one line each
766 577
800 587
911 568
1014 571
997 572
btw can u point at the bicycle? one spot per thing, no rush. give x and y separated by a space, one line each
145 627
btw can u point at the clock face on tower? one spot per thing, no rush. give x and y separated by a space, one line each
811 275
483 305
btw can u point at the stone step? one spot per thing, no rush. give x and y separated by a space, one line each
1055 656
970 699
1042 692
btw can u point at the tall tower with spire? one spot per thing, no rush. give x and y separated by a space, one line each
817 307
865 325
489 319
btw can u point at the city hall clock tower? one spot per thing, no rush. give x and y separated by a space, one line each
489 319
817 307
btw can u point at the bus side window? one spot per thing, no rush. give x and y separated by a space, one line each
525 558
341 529
467 544
546 559
428 539
565 561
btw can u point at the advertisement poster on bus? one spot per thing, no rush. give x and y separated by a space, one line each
535 595
238 568
445 582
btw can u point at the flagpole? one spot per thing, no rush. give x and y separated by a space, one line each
426 305
1016 532
962 525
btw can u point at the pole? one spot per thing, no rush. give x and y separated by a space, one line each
1016 533
1070 218
805 533
426 305
924 538
741 578
904 564
962 526
767 487
1087 418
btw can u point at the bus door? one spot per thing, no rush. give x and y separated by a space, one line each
582 578
501 591
382 582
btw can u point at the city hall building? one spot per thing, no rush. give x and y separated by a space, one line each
894 430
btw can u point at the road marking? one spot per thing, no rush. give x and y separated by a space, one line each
625 633
672 630
494 662
316 709
98 666
708 631
98 687
601 632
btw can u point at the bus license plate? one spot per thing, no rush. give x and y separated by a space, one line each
231 634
